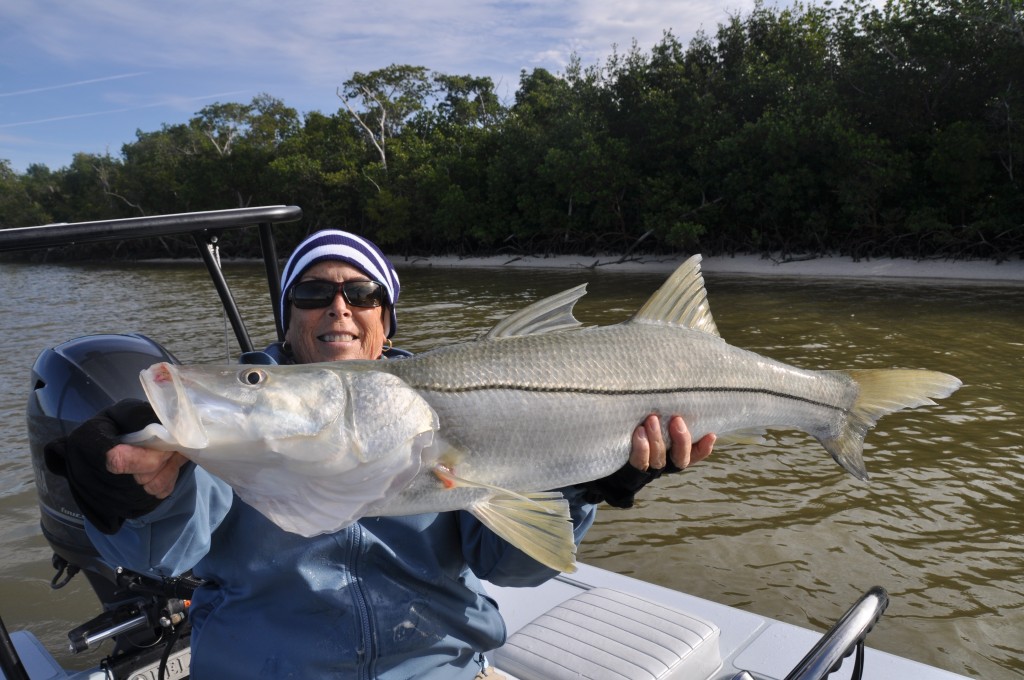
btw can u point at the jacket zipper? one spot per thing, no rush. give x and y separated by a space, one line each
359 598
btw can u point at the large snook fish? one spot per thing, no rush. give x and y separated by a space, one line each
487 426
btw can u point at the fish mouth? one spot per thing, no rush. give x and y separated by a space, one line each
163 387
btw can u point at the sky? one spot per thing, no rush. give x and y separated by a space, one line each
84 76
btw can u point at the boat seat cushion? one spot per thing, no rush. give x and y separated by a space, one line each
608 634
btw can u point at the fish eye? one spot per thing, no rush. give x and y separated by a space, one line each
252 376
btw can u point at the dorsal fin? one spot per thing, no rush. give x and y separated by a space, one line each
544 316
681 300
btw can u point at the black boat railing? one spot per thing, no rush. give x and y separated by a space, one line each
70 233
204 227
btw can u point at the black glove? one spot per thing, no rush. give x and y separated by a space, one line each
105 499
619 489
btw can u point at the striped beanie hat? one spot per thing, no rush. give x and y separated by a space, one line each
341 246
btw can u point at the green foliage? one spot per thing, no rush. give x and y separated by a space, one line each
852 128
18 208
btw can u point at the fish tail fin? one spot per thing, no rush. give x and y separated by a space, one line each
536 523
881 392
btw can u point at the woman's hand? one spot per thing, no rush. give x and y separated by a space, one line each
649 451
649 458
112 482
155 471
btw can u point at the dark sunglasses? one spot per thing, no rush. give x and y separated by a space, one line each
315 294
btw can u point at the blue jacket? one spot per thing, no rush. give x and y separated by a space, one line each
387 598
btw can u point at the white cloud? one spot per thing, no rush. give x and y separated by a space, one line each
325 40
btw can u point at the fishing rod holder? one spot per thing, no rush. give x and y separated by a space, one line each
124 619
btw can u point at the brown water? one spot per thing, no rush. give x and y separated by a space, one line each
777 529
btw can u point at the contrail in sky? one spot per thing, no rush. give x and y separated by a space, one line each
165 102
75 84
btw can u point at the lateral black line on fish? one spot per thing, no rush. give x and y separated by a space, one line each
617 393
538 403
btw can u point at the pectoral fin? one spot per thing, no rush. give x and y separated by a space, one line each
750 437
536 523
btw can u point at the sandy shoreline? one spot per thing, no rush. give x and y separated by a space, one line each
753 265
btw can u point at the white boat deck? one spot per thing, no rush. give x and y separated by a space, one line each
767 649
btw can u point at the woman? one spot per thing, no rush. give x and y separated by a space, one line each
388 597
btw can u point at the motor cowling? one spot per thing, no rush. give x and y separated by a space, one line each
70 383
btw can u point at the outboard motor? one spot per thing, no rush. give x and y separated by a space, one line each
71 383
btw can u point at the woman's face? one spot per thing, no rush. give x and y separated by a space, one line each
336 332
